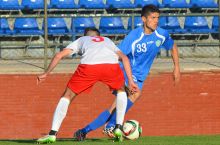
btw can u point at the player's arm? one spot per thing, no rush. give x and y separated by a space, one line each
53 63
132 86
170 45
175 57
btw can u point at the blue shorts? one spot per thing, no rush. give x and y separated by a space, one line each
138 82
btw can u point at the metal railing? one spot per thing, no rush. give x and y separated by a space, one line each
45 15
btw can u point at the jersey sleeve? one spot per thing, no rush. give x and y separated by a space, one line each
125 44
75 46
168 42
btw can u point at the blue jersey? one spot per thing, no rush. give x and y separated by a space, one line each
141 49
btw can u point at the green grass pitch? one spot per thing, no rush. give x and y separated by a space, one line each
183 140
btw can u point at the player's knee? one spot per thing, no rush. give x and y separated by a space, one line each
69 94
135 97
122 89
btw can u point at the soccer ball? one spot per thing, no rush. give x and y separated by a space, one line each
132 129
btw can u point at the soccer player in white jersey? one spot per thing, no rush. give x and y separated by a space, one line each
141 46
99 62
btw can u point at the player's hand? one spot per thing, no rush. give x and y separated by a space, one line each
176 75
133 87
41 78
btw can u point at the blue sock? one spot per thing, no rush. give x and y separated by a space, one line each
98 122
112 120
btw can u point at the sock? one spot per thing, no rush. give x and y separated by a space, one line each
121 104
112 120
98 122
60 113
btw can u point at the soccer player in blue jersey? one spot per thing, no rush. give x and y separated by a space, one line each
141 46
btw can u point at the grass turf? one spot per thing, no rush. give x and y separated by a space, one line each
168 140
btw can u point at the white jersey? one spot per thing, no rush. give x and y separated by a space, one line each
95 50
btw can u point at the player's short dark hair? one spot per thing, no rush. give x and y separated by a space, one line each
147 9
91 29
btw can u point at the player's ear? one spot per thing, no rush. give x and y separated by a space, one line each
144 19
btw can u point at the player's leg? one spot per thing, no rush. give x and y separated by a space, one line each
108 130
130 101
83 79
59 115
111 77
61 110
98 122
121 104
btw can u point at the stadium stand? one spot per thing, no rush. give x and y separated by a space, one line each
57 29
119 4
137 22
4 27
63 4
181 26
175 4
215 27
9 5
112 25
91 4
27 26
141 3
204 3
194 24
32 4
171 24
57 26
215 24
80 23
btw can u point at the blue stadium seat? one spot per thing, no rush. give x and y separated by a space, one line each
4 27
112 25
32 4
215 24
119 4
27 26
141 3
57 26
63 4
9 5
80 23
204 3
92 4
137 22
215 28
194 24
175 4
171 24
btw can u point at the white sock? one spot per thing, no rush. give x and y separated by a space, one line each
60 113
121 104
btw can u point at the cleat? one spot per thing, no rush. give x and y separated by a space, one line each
109 132
47 139
79 135
118 135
